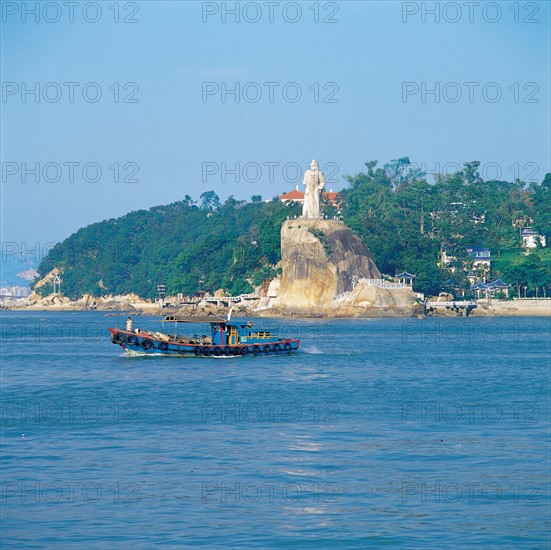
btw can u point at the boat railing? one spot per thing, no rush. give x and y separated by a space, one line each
261 335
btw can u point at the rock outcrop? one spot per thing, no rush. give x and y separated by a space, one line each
369 300
268 301
320 259
128 302
326 270
48 278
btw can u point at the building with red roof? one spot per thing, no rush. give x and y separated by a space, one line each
292 196
298 196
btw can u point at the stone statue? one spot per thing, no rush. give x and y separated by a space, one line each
313 182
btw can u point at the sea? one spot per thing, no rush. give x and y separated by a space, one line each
377 433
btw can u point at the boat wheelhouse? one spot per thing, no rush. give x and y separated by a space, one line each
227 338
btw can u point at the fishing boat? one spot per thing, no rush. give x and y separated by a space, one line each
227 339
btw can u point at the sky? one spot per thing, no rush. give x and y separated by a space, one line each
109 107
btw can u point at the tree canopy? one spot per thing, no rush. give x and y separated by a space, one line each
404 220
407 222
189 248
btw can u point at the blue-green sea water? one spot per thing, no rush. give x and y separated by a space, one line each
383 433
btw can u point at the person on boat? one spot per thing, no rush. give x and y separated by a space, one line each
129 324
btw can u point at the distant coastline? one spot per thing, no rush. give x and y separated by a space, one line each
498 308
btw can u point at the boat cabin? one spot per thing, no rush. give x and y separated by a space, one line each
227 333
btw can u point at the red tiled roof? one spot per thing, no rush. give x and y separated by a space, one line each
294 194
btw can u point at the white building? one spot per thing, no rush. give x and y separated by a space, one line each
14 292
530 238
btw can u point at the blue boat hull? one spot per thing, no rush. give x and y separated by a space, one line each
148 345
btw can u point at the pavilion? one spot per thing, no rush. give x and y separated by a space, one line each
491 288
499 285
480 287
405 278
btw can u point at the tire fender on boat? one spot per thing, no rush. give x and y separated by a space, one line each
216 351
131 340
277 347
163 346
266 348
287 346
147 343
197 350
206 350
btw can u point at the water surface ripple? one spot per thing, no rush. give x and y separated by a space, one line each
380 433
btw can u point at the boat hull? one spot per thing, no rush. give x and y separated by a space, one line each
147 345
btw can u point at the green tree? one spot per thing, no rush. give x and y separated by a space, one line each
210 200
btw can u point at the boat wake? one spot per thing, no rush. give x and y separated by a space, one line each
131 353
134 354
313 350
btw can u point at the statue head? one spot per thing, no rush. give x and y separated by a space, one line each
314 165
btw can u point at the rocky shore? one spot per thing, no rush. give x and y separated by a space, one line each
131 304
356 304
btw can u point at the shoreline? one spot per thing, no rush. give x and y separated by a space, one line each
516 308
494 308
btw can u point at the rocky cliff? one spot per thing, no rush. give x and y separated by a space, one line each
320 259
322 262
324 269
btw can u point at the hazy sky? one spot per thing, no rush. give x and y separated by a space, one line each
342 82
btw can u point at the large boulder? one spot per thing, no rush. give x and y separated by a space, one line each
370 300
85 300
329 272
33 298
320 259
